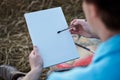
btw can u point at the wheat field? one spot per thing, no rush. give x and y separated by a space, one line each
15 42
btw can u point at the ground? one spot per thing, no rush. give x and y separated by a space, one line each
15 42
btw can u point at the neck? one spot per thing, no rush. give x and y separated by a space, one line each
105 34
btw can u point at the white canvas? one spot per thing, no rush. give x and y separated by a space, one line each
53 47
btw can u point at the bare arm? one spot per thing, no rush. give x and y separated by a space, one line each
33 75
36 66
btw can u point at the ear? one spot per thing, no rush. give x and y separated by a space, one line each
93 10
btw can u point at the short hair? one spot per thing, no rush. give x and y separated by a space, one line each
109 12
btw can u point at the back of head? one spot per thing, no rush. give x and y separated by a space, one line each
109 12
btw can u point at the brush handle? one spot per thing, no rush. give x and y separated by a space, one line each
64 30
84 48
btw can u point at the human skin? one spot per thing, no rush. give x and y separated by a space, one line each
36 65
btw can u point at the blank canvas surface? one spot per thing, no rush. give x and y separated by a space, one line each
54 48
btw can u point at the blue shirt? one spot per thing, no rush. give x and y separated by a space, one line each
105 64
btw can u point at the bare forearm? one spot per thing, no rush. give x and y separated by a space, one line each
33 75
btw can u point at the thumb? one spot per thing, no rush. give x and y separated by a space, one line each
36 51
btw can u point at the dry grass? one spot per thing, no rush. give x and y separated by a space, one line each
15 43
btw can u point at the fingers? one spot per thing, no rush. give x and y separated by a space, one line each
32 53
36 51
73 25
73 31
73 21
35 59
76 22
77 26
35 48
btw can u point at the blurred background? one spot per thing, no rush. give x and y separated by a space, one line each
15 42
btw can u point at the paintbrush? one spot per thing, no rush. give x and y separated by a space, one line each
77 43
64 30
85 48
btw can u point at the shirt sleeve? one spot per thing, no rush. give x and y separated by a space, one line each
74 74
